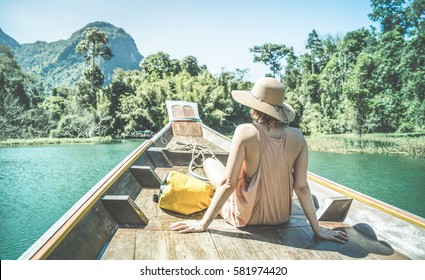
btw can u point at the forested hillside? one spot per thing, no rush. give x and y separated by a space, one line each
57 63
365 81
8 41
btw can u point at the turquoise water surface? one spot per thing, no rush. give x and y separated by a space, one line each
38 184
395 179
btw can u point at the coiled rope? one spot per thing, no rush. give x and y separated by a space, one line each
199 152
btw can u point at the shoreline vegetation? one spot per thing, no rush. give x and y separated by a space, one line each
412 144
54 141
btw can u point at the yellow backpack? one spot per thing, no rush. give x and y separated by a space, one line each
184 194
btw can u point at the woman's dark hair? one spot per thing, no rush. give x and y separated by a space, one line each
261 117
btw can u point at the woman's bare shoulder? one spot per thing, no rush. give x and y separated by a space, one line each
246 131
295 131
296 134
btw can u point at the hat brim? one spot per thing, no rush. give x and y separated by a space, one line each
247 99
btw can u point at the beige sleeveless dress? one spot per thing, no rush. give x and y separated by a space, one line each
267 197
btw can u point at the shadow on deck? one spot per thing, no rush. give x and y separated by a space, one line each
291 240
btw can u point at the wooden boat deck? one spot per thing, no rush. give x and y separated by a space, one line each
292 240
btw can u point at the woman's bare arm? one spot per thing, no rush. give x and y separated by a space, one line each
303 193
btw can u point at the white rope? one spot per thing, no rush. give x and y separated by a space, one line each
198 151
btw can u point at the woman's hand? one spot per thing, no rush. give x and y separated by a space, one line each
188 226
333 235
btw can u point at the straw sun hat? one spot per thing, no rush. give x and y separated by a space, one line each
267 96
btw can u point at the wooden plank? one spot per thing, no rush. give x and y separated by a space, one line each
177 111
145 203
163 136
158 157
286 241
189 112
178 157
124 211
170 245
368 241
146 176
264 244
161 223
187 129
178 144
394 256
144 160
79 244
302 245
126 184
217 138
163 172
122 246
220 224
306 246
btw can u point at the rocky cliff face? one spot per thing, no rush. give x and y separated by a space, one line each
58 64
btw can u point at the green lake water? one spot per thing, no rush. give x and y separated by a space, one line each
395 179
38 184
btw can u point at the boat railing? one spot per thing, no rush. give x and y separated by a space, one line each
375 203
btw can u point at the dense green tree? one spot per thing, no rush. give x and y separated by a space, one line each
94 47
11 79
415 14
159 65
20 96
391 14
332 81
413 70
190 65
123 84
360 88
355 42
314 44
386 106
293 72
144 108
271 55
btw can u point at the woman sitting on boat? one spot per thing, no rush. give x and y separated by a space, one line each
268 160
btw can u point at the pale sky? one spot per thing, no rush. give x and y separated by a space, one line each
218 33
